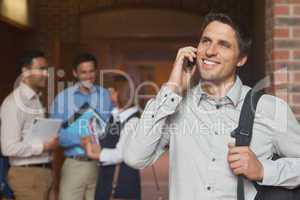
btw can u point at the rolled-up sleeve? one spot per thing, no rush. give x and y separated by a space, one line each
110 156
11 133
150 137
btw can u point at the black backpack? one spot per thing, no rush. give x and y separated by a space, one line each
243 135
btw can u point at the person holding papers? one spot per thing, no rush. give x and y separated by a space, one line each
79 173
29 160
116 178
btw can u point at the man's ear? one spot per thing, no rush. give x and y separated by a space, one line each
75 74
242 61
24 69
25 72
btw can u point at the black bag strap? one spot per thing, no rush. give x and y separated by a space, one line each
243 133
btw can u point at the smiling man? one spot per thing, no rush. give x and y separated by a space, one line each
29 161
196 123
79 173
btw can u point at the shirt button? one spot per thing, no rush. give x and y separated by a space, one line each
152 116
166 95
216 133
172 99
208 188
213 159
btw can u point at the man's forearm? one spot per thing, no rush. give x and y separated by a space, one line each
282 172
145 145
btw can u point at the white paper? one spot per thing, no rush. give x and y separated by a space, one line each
43 130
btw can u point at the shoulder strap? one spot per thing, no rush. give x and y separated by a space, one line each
136 114
243 133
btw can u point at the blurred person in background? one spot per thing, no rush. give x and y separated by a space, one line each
115 177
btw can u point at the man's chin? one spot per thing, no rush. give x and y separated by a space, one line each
42 85
87 84
208 77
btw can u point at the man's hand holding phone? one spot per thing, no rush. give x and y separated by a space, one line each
183 69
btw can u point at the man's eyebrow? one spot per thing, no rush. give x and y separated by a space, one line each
225 42
205 37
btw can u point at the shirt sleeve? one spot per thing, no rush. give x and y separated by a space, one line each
12 144
286 140
150 137
110 156
68 139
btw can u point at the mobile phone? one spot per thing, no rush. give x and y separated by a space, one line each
187 64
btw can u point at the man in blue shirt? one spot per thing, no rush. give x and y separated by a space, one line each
79 173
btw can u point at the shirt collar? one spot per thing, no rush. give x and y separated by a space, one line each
115 113
233 94
27 91
124 115
77 90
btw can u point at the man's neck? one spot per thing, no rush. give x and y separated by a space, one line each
35 89
84 90
218 91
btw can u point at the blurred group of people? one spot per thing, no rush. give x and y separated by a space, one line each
90 170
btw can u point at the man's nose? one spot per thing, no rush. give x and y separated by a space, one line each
211 50
89 76
46 73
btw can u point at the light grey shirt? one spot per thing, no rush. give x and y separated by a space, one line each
18 112
197 129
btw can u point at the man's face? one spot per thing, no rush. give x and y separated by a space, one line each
114 95
37 75
86 73
218 53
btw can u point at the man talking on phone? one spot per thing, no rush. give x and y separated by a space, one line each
196 123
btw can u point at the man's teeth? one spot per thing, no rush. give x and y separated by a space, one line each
209 62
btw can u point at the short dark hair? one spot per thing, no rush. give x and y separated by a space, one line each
243 36
27 57
122 87
84 57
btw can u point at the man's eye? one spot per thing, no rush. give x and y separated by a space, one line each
204 40
225 45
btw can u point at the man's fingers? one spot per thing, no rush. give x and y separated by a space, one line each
177 80
235 150
231 145
193 49
188 52
236 164
234 157
189 48
189 55
238 171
